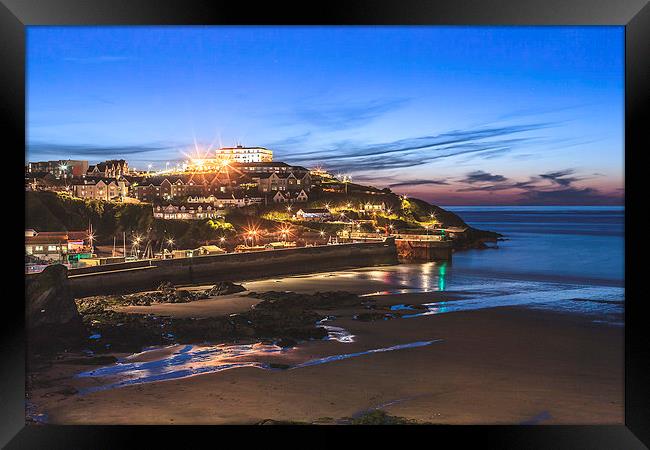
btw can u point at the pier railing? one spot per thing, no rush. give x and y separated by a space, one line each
380 236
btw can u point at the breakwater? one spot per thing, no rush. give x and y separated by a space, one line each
145 275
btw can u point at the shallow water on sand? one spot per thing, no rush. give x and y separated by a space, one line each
182 361
567 259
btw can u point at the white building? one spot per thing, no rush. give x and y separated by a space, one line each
223 200
245 154
190 212
226 155
314 214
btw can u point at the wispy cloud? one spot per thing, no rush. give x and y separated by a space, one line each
479 176
345 115
418 183
549 188
93 151
99 59
289 141
484 142
560 177
569 196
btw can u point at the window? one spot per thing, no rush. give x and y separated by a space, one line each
51 248
38 248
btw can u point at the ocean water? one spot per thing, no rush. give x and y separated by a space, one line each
583 243
567 259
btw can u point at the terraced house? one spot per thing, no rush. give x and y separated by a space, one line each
113 168
187 212
181 186
102 189
272 182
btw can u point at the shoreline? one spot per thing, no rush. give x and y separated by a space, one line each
487 363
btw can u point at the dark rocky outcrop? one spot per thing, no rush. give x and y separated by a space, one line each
370 417
473 238
165 293
273 300
281 317
52 319
379 417
225 288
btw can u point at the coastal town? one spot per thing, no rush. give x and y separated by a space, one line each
322 225
239 199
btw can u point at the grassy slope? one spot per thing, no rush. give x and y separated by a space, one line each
48 211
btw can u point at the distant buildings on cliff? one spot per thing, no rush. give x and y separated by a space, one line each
230 177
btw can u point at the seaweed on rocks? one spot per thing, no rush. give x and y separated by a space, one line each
284 317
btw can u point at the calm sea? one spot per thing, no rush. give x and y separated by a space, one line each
584 243
568 259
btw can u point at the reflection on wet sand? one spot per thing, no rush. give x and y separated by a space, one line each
182 361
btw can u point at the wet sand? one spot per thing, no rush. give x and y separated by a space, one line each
494 366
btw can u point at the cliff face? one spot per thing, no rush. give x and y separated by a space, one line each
472 238
52 319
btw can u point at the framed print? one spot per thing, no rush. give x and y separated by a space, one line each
419 216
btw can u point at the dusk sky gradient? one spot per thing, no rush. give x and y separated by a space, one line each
453 115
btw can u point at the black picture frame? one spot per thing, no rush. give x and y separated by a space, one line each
15 15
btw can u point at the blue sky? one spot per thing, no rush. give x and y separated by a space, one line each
454 115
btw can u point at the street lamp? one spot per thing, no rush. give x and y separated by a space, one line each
135 246
252 234
91 239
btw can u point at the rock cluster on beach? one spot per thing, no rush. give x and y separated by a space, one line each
225 288
372 417
165 293
281 317
52 319
273 300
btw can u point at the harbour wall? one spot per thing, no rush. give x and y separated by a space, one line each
145 275
424 250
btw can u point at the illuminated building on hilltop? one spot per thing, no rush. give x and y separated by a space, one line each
245 154
226 155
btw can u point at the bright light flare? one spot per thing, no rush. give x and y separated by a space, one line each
285 229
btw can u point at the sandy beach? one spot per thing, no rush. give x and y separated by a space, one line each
506 365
